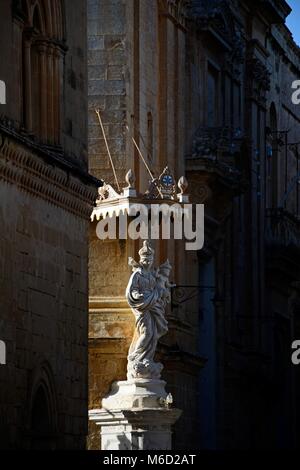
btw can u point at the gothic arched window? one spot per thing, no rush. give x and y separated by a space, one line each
41 414
41 428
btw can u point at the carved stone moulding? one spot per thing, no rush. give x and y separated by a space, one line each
31 173
137 393
201 190
135 429
216 191
214 17
110 318
259 74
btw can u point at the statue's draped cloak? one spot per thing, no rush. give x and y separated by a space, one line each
148 310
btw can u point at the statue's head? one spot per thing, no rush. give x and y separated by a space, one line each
146 254
165 268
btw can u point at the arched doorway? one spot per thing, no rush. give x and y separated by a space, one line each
42 432
42 418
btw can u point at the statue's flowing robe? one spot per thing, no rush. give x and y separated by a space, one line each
151 323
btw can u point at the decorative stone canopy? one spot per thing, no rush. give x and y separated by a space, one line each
160 190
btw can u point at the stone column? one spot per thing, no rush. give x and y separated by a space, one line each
56 94
42 47
27 84
50 79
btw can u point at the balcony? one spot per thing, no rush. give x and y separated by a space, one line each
216 154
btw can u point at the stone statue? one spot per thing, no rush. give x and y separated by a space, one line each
138 413
147 293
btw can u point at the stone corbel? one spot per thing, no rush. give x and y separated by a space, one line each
200 189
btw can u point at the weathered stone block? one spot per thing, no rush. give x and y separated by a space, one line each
98 72
105 87
96 42
115 72
96 57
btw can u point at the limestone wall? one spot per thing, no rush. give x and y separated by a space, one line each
43 292
46 198
136 63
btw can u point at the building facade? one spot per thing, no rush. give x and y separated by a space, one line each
205 87
46 201
249 179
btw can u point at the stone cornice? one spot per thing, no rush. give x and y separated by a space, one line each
282 39
56 184
278 9
52 155
273 11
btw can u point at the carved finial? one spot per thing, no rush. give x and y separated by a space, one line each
169 400
106 192
130 179
102 193
183 184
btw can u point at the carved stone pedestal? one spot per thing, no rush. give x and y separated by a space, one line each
136 415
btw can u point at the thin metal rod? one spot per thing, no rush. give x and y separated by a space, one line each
136 127
141 155
144 161
107 148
